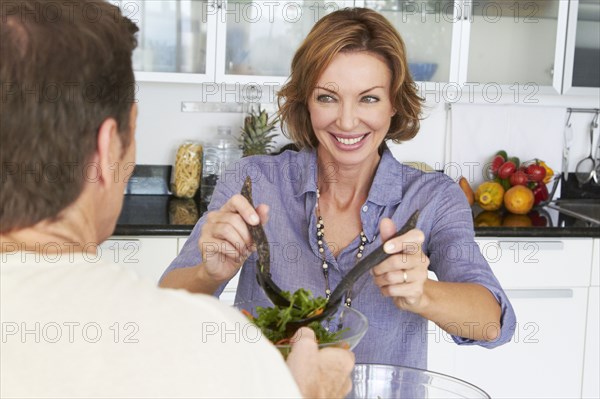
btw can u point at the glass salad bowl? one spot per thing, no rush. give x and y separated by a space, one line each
392 382
349 322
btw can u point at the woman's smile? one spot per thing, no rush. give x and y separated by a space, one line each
349 142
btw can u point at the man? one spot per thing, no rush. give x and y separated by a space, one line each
71 326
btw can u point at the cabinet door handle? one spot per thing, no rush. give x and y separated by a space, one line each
537 294
466 10
539 245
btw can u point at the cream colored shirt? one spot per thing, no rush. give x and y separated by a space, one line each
73 327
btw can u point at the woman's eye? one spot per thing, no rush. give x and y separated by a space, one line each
370 99
325 98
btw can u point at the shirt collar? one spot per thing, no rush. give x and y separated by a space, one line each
387 184
389 171
308 177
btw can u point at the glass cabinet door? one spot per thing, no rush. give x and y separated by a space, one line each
173 38
427 28
516 41
582 63
257 39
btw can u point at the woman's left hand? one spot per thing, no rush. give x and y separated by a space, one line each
403 275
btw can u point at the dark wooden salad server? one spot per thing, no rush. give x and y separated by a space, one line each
345 285
263 264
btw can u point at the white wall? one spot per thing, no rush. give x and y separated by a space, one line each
162 126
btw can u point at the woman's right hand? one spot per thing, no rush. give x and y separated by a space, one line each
225 242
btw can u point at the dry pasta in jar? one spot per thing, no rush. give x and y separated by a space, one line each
183 211
188 170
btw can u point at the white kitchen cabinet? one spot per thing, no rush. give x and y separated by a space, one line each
582 57
148 257
176 40
545 357
256 40
180 242
236 42
595 278
539 262
228 294
431 33
591 365
515 43
491 46
520 47
548 289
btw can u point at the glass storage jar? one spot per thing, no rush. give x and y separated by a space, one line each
188 170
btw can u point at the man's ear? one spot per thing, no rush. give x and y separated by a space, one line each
108 150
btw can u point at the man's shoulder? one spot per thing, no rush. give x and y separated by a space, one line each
105 306
104 287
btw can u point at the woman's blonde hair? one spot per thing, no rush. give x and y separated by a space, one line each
349 29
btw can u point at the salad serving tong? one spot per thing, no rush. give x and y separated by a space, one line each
347 282
274 293
263 264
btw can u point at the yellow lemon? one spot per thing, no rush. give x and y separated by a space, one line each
489 195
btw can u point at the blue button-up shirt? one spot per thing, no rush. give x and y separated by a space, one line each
287 183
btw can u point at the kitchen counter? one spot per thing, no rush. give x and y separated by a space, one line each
163 215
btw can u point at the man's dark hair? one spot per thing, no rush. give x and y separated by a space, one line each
65 67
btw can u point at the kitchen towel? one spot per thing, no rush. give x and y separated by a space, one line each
478 131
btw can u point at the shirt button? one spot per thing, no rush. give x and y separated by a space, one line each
365 208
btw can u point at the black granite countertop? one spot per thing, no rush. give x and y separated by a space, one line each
163 215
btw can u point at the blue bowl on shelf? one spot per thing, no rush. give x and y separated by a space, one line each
422 71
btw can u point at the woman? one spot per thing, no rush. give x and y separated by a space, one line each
349 91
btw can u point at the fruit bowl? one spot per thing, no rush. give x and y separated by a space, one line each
515 185
353 322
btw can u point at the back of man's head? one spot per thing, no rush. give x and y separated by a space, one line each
66 67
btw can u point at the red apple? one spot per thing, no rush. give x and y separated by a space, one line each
496 163
536 172
519 178
506 169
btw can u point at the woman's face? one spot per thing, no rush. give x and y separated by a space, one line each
350 107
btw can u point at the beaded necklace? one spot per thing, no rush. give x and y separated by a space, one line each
320 241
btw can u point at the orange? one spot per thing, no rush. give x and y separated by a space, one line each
512 220
489 195
518 200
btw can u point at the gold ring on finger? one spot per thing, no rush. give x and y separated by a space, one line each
405 277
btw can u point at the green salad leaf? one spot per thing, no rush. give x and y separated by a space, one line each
273 321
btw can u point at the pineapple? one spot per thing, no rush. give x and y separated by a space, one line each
257 136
